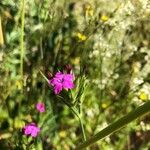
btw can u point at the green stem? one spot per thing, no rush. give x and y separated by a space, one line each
82 128
22 41
80 120
77 115
44 76
140 111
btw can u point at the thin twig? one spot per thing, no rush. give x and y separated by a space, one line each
44 76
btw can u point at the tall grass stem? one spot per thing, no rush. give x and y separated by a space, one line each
22 52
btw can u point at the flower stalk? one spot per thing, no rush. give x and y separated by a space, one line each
80 120
44 76
22 40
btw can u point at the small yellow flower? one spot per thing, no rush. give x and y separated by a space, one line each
18 84
104 105
143 96
75 61
104 18
62 134
88 10
81 37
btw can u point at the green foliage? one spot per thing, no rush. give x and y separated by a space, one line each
107 45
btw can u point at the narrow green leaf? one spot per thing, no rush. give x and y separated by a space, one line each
138 112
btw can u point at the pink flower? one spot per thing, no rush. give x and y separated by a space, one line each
31 129
62 81
40 107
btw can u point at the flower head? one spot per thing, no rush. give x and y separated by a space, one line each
40 107
62 81
104 18
143 96
31 129
89 10
81 36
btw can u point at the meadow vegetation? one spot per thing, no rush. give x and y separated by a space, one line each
70 68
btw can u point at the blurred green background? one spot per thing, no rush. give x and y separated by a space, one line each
107 41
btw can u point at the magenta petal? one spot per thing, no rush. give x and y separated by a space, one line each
52 82
68 77
61 81
68 85
32 124
27 131
31 129
35 132
58 88
40 107
55 81
59 75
